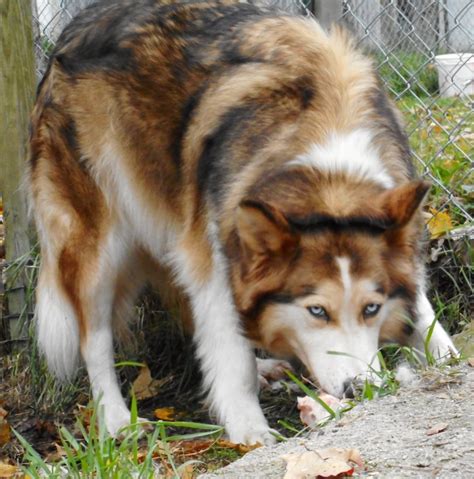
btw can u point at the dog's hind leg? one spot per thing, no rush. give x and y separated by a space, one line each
83 252
102 296
76 297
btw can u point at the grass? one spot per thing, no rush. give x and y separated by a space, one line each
95 454
442 135
408 74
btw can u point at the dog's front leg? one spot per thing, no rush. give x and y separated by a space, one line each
440 345
226 356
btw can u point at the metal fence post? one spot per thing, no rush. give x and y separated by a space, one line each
17 83
328 11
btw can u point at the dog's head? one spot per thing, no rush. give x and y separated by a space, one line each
324 274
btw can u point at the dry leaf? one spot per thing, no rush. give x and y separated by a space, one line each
192 448
145 386
3 413
241 448
4 432
57 454
311 412
165 413
7 470
437 428
439 223
470 361
186 471
322 463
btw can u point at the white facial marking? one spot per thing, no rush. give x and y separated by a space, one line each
352 153
332 354
345 268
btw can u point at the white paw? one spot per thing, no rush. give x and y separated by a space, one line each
117 420
270 370
247 425
441 346
248 432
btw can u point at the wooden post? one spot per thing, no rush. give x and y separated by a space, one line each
327 11
17 84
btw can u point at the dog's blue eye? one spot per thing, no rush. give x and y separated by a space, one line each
371 310
318 312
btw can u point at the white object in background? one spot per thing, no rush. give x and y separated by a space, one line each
456 74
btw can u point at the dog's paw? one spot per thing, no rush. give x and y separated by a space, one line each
249 433
271 370
118 420
246 424
440 345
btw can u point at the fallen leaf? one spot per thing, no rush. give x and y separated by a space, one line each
5 433
145 387
437 428
57 454
311 412
192 448
186 471
241 448
439 223
3 413
7 470
322 463
165 413
470 361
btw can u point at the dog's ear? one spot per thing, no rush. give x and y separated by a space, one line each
263 230
400 204
267 245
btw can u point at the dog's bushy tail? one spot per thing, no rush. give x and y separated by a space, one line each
56 325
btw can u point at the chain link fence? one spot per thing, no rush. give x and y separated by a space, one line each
435 94
407 39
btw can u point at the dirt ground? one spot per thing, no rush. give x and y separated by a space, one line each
391 434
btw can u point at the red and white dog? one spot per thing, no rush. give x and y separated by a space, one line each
257 157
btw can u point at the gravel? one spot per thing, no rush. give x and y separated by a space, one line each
390 433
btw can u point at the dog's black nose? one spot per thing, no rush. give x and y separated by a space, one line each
348 389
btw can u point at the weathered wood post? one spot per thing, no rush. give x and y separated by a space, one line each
17 84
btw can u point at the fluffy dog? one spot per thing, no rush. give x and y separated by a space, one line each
255 155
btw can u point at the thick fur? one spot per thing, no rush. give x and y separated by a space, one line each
250 153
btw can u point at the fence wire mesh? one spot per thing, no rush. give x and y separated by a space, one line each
407 39
435 94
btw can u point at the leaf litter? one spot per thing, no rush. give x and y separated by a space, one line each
322 463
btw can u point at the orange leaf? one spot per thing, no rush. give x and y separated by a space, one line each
145 386
186 471
242 448
4 432
7 470
439 223
192 448
165 413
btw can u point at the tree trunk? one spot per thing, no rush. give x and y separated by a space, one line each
17 83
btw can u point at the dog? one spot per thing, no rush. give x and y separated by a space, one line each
254 155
